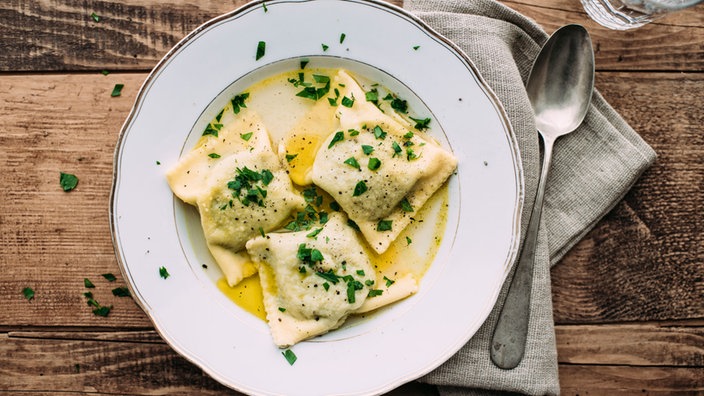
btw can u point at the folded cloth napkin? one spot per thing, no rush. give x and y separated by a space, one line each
592 169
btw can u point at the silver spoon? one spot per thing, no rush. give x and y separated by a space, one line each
560 88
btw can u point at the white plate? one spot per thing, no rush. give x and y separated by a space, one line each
151 228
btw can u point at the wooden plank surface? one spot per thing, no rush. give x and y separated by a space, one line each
628 299
134 35
69 123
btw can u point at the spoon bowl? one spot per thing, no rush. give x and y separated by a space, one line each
560 87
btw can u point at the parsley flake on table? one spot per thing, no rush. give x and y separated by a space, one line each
121 291
416 47
290 356
261 49
117 90
102 311
95 17
163 272
342 37
68 181
325 47
88 284
110 277
28 293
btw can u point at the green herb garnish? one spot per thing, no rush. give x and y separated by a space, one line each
246 136
367 149
397 149
342 37
304 63
261 49
379 133
88 284
360 189
389 282
68 181
117 90
372 96
110 277
406 206
374 292
163 272
95 17
383 225
214 155
238 102
351 161
325 47
347 102
121 291
374 163
408 241
290 157
421 123
339 136
290 356
28 293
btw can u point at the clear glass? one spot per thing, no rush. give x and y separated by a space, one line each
629 14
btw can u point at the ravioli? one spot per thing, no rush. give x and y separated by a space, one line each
312 280
378 170
239 187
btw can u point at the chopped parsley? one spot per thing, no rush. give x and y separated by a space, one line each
117 90
163 272
28 293
352 287
246 136
408 241
314 233
375 292
406 206
339 136
389 282
374 163
397 149
121 291
261 49
290 157
421 123
342 37
351 161
347 102
367 149
212 129
416 47
95 17
360 189
261 232
379 133
247 185
372 96
214 155
264 6
237 102
110 277
397 103
325 47
304 63
68 181
353 132
410 154
290 356
88 284
102 310
310 91
383 225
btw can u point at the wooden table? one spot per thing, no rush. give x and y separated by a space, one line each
628 299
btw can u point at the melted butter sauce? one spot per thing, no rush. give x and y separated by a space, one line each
291 122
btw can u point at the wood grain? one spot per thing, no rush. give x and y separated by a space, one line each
655 236
134 35
70 123
609 359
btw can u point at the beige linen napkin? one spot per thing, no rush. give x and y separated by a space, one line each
591 171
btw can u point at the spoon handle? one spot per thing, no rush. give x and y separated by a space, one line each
509 340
